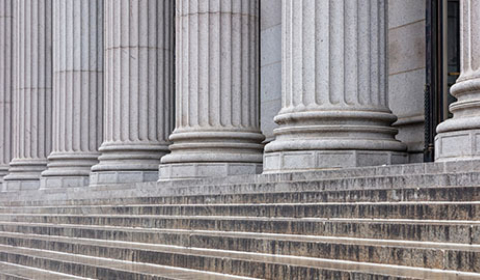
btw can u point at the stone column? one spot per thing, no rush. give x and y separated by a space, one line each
33 94
77 92
459 137
334 108
217 119
6 85
139 76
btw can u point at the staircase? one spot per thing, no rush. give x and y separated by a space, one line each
400 222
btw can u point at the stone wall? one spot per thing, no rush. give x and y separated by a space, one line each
407 72
271 64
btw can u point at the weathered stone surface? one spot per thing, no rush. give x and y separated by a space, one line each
341 223
139 77
217 129
459 137
33 94
334 108
77 92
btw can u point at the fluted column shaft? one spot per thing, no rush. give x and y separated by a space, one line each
217 103
77 92
6 85
334 107
33 94
459 137
139 76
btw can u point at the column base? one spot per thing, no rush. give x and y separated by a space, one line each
297 161
68 170
185 171
457 145
100 178
24 175
127 163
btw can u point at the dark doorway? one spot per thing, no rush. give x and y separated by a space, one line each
442 63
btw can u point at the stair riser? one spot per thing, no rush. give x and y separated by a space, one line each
440 194
413 232
10 277
297 183
457 212
414 257
205 263
75 269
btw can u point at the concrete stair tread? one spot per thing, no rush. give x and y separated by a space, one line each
418 211
455 177
431 255
301 204
166 272
415 194
25 272
247 204
326 264
254 235
252 218
431 231
240 219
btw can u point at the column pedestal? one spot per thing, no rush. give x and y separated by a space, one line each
217 108
458 138
334 107
139 76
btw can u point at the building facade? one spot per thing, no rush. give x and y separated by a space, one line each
96 92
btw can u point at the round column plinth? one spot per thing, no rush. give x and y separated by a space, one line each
127 163
24 175
201 154
68 170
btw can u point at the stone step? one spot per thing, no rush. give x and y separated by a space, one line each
459 257
13 271
465 211
101 268
262 266
411 230
380 195
296 182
